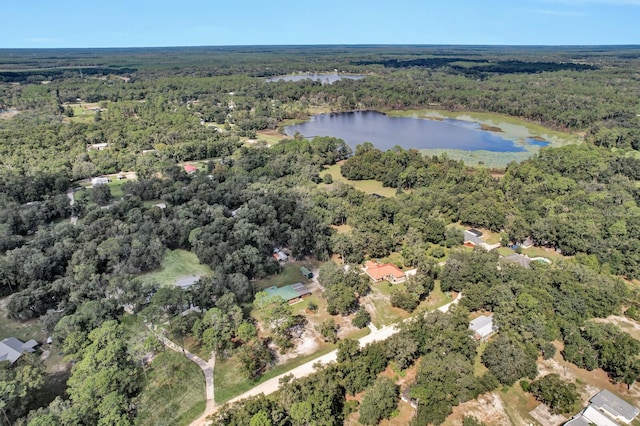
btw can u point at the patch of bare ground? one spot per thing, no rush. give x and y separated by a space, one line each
305 345
627 324
589 382
542 414
488 408
7 114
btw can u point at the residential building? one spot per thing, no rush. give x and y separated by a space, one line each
99 181
381 272
483 327
605 409
11 349
473 236
190 169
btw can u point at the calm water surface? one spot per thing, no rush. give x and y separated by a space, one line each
386 132
324 78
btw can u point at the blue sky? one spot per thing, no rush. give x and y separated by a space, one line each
134 23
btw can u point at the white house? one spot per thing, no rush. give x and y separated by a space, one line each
483 327
605 409
99 181
98 146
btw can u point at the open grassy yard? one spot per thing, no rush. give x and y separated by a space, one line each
369 186
290 274
174 392
23 330
176 264
436 298
379 305
518 404
543 252
270 136
229 380
115 186
489 237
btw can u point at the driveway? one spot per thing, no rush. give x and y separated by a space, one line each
307 369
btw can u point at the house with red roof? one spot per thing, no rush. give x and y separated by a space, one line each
190 169
381 272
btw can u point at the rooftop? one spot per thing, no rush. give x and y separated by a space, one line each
614 405
185 282
480 322
379 271
475 232
520 259
288 292
11 349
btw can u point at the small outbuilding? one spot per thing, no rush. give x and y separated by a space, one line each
99 181
280 256
306 273
483 327
186 282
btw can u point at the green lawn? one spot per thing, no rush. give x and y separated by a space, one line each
383 313
176 264
518 404
115 186
23 330
541 252
436 298
174 392
290 274
369 186
229 380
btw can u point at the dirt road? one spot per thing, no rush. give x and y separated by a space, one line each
306 369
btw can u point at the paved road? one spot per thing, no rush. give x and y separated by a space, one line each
306 369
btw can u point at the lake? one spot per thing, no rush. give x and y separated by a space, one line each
324 78
386 132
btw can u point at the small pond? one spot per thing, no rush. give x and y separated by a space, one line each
324 78
386 132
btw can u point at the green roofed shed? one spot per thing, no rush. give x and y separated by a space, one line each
307 273
291 293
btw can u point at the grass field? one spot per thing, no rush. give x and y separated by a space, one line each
290 275
518 404
176 264
229 381
115 186
272 137
174 392
368 186
23 330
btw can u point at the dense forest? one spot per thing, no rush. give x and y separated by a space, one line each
79 267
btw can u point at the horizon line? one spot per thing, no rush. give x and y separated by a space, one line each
227 46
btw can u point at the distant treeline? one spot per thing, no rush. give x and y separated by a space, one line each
37 75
